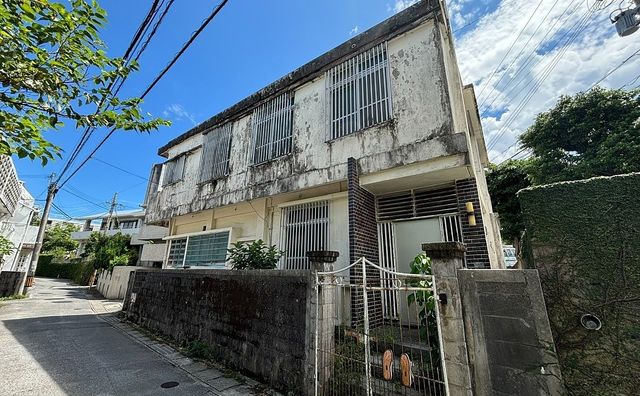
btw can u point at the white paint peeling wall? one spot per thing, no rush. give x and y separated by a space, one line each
421 129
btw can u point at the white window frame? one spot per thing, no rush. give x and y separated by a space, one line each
272 129
298 255
216 153
170 238
358 96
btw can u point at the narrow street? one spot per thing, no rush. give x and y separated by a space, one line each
54 343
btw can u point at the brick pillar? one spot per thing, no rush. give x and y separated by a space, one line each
474 237
325 311
363 242
446 259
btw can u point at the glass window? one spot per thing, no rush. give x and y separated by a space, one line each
208 250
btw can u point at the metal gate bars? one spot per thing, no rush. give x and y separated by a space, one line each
361 349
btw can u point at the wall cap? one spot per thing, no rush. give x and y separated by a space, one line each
444 250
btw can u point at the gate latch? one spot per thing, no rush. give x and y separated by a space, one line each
442 297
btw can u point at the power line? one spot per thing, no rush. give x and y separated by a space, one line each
142 28
61 211
84 199
155 81
610 72
120 169
510 48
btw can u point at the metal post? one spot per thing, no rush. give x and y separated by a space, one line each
367 349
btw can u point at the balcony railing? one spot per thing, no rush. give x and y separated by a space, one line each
9 186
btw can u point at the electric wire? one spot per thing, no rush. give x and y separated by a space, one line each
120 169
610 72
204 24
510 48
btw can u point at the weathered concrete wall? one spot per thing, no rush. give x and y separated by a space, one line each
254 321
509 340
113 285
421 129
10 282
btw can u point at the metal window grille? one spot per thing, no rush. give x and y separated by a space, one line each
272 125
387 253
10 189
176 252
305 227
208 250
216 149
450 228
174 170
417 203
359 92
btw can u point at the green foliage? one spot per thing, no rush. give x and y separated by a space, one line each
197 349
57 240
586 239
504 181
6 247
13 297
255 255
53 66
421 265
106 252
78 272
594 133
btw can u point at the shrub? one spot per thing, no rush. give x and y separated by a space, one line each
78 272
255 255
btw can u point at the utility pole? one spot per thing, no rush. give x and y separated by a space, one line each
112 208
51 193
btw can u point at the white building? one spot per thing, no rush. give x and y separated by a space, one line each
16 212
370 149
148 240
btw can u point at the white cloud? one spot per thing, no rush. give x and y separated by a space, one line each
354 31
402 4
595 51
178 112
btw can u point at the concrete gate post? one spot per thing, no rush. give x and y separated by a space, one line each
446 259
322 318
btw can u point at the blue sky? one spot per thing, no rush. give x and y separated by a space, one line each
252 43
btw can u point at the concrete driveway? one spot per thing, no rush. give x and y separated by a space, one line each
53 343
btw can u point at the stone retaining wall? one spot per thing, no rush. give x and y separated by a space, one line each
257 322
10 282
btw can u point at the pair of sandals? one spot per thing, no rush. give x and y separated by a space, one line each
406 368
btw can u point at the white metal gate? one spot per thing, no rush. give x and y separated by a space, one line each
362 350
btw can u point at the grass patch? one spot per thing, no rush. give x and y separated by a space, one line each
13 297
198 350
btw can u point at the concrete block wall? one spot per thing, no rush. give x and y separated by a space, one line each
10 282
113 285
257 322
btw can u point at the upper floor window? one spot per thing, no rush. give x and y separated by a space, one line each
358 92
272 125
216 148
174 170
125 224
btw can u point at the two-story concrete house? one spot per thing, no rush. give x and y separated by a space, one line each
371 149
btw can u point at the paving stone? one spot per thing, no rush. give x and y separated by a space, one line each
195 367
223 383
209 374
237 390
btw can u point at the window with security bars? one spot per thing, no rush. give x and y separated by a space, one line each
305 227
272 125
174 170
208 250
359 92
216 149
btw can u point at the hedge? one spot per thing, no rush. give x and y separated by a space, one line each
77 271
584 238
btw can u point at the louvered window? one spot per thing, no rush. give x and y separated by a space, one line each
417 203
174 170
305 228
272 125
358 92
206 250
216 149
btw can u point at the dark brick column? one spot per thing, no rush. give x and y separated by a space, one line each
363 242
477 255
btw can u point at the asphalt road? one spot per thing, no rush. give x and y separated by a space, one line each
53 343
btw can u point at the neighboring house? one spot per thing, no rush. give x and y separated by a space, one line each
16 212
52 222
146 239
370 149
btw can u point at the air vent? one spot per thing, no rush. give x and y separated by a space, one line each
418 203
